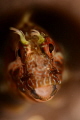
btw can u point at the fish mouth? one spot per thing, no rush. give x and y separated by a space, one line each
44 93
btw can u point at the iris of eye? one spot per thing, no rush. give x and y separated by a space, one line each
51 48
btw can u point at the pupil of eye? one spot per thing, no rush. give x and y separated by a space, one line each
51 48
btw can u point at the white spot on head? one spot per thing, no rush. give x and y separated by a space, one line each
59 82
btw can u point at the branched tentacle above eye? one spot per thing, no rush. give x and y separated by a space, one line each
22 36
37 33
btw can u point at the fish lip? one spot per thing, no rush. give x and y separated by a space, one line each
37 98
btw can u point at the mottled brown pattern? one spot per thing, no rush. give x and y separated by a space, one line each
38 68
61 18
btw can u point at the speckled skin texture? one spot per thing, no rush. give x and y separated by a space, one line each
37 66
63 23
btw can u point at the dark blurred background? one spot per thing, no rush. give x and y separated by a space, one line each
61 18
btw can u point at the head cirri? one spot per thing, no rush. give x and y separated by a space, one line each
38 71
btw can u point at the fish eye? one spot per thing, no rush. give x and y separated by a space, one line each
51 48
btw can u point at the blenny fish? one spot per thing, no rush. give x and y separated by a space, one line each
36 63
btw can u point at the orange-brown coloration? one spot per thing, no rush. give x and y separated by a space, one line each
37 70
